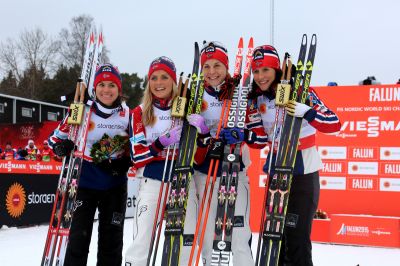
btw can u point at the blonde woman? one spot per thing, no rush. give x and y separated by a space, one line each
152 131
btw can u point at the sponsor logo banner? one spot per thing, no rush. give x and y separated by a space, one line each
389 184
360 166
332 152
362 183
390 169
30 167
363 168
15 200
363 153
367 119
333 183
365 230
390 153
334 167
27 198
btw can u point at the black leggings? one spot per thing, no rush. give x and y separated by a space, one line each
303 201
112 205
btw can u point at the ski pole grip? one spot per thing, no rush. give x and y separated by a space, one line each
180 84
282 94
179 104
76 109
75 113
185 87
76 97
178 107
284 67
82 90
289 71
283 88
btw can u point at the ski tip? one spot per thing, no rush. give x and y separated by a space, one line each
92 37
196 50
100 41
304 39
251 42
314 39
240 45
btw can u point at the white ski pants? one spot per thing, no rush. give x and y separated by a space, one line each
241 235
146 206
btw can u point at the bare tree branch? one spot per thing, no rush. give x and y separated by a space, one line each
9 60
73 40
38 49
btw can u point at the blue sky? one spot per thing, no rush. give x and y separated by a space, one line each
356 38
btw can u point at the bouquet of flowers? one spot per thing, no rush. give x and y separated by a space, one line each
107 146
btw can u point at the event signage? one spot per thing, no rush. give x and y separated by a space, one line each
360 171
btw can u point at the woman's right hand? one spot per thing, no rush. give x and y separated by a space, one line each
171 137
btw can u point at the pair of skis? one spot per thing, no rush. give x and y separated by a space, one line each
178 194
233 115
277 191
78 119
178 112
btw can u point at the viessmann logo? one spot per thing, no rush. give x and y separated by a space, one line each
351 230
38 167
373 126
15 200
12 165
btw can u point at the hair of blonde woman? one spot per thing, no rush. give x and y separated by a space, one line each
148 117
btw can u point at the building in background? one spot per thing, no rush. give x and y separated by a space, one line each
15 110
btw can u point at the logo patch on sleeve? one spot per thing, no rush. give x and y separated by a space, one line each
137 138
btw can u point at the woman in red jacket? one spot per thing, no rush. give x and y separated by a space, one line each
152 130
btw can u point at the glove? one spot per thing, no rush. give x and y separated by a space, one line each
232 135
296 109
116 167
172 137
63 147
199 123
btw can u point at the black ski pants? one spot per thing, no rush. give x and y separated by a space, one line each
303 201
112 205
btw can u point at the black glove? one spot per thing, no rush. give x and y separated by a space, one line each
63 147
116 167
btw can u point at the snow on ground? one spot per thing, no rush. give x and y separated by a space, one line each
24 246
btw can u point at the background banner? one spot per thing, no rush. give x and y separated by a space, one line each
19 134
26 199
27 192
361 165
